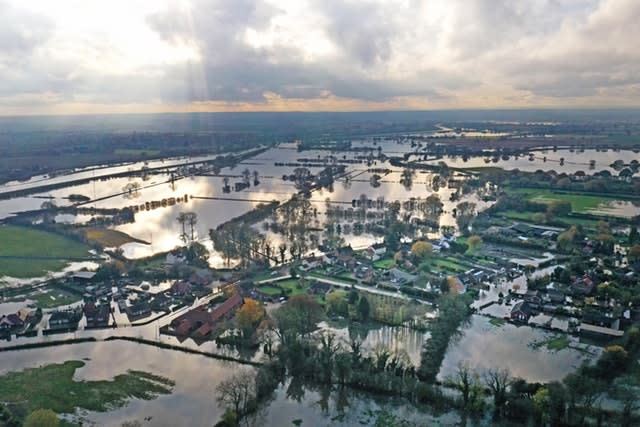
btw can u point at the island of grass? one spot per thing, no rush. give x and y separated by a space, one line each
555 343
29 252
53 387
110 238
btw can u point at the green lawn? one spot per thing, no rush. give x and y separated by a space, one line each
54 298
270 290
385 263
28 242
292 284
446 264
53 387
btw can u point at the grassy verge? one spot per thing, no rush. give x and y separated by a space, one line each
53 387
24 243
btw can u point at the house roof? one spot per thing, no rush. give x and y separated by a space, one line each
84 275
226 307
522 307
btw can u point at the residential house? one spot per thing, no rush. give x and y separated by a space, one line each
521 312
533 297
555 296
139 310
584 285
161 301
181 289
11 322
375 252
319 288
62 319
97 315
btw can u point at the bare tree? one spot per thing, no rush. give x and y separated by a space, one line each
238 392
498 381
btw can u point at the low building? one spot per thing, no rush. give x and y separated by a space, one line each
64 319
375 252
594 331
195 319
97 315
139 310
533 297
181 289
319 288
521 312
11 322
82 277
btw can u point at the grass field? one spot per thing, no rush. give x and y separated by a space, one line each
528 217
270 290
580 203
53 387
26 243
54 298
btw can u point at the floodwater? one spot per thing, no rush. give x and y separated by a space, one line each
483 346
547 160
206 198
193 399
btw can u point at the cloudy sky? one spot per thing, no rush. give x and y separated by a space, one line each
86 56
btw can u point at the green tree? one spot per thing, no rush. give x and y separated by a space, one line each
363 308
297 318
336 303
626 390
42 418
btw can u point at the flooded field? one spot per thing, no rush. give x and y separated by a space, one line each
560 161
484 346
193 396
